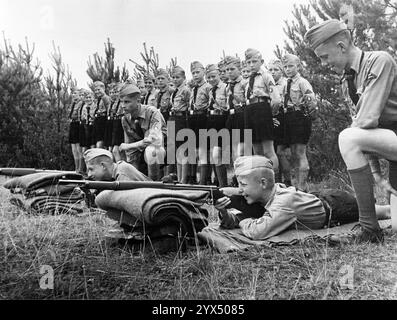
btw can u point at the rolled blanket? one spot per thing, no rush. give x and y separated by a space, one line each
156 207
30 182
50 205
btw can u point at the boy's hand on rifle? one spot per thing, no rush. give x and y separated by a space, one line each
222 203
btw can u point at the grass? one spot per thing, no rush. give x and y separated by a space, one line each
86 266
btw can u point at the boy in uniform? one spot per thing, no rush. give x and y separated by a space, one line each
299 103
163 94
197 118
217 114
144 132
245 71
74 125
180 100
141 86
370 85
262 95
80 107
117 113
87 118
110 116
150 97
222 71
276 69
283 207
100 113
235 100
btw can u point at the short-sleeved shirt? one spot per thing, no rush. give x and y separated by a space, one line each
238 91
148 119
116 109
180 98
281 85
150 98
286 206
74 111
264 81
87 113
103 106
301 91
164 105
376 83
202 98
220 97
124 171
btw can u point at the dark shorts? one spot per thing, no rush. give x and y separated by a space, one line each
279 131
258 117
117 133
298 128
99 128
74 129
180 122
87 140
108 133
166 115
217 122
82 134
235 122
197 122
340 206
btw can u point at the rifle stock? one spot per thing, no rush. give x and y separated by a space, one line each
215 192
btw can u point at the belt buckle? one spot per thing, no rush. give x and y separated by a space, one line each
231 111
109 117
212 112
191 112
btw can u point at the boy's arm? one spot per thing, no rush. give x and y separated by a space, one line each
377 90
270 224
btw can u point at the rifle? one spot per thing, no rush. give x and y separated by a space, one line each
215 192
26 171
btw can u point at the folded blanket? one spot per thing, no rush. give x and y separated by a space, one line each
224 240
31 182
156 207
50 205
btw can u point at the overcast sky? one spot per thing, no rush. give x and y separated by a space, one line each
187 29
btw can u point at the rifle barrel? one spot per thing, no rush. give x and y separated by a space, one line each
128 185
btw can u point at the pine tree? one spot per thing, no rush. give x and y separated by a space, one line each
373 25
103 68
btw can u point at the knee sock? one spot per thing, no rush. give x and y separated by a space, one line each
154 172
362 182
393 174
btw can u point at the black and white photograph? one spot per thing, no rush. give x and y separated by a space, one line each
201 156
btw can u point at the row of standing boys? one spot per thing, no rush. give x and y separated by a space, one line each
274 102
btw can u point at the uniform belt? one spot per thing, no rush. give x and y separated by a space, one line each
118 116
177 113
216 112
258 99
293 108
237 108
100 114
75 120
197 112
